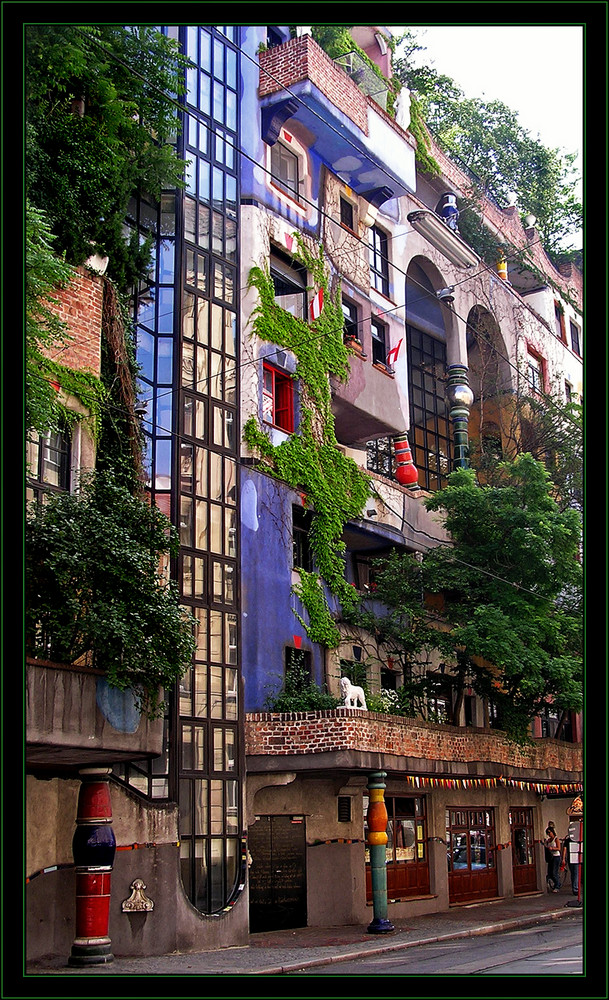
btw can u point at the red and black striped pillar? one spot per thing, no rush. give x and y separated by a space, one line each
93 847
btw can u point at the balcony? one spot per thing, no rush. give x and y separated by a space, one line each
347 129
368 405
353 740
75 719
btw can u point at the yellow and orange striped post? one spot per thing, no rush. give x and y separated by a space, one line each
377 839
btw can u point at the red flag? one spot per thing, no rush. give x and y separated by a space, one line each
317 305
393 353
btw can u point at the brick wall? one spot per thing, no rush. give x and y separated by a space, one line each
344 729
303 59
79 306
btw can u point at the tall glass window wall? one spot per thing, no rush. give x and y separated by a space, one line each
188 352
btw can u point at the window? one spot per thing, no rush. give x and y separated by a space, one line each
346 213
379 263
439 699
290 284
470 836
379 343
351 327
301 524
575 337
278 399
407 863
273 38
535 373
430 435
568 392
380 457
285 169
48 460
559 321
354 670
297 669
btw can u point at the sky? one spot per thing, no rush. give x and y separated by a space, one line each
536 70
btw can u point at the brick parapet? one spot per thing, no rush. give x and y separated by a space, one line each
343 729
79 305
301 59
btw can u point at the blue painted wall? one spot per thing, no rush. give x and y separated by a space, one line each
268 620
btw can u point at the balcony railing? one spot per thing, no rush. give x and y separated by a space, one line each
354 739
366 79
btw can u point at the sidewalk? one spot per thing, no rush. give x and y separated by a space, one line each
277 952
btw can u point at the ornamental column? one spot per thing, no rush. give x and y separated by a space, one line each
377 840
459 399
406 471
93 847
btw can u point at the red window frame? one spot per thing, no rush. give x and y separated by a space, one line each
278 399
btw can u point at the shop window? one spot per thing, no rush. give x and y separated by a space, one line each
407 864
379 343
278 399
470 839
301 526
379 262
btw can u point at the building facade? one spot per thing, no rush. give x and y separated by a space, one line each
234 817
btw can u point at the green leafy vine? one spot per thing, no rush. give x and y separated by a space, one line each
309 459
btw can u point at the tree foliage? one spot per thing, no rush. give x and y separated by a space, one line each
488 139
96 590
501 605
99 128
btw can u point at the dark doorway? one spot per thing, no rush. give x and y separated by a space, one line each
277 874
523 851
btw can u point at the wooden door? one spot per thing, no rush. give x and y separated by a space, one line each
471 854
524 869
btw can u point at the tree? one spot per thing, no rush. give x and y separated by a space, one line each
499 153
501 605
99 129
96 590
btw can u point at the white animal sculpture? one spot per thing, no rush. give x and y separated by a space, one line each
353 696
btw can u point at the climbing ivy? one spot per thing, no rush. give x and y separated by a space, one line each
309 459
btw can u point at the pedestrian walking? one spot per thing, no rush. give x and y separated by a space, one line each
553 852
571 855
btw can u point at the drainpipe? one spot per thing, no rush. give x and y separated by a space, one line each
459 399
377 839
